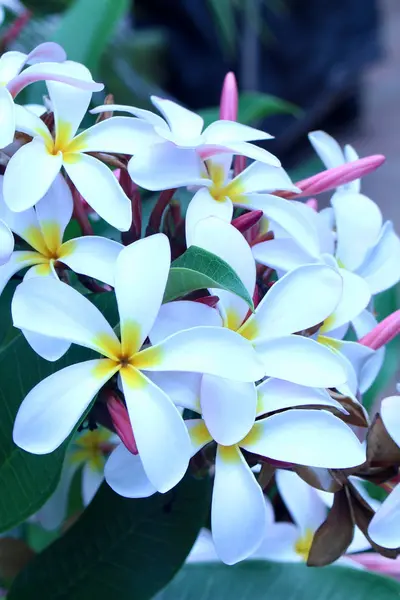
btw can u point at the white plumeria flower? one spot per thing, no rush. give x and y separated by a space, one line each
51 308
332 156
87 451
301 299
220 194
43 228
384 528
303 436
174 154
6 243
42 159
13 79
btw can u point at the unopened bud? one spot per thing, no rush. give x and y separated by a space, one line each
211 301
229 98
383 333
246 221
121 422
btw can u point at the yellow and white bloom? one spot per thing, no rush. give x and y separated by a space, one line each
51 308
42 159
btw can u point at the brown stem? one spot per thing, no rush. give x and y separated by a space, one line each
132 191
158 211
79 210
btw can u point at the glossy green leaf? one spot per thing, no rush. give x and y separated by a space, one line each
259 580
198 269
119 548
27 480
86 28
384 304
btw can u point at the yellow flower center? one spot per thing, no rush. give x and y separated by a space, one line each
91 447
303 544
221 188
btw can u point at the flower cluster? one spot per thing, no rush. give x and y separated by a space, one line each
238 382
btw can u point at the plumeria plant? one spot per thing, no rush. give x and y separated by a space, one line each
183 376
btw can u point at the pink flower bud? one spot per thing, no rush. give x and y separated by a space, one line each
239 164
210 301
120 418
383 333
229 98
313 203
372 561
332 178
246 221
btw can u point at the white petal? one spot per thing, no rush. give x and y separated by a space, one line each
54 510
17 261
160 433
381 267
28 122
358 355
183 122
6 243
92 255
276 394
300 299
359 543
322 224
182 314
224 240
54 212
282 254
355 297
143 114
39 168
306 437
223 131
117 134
101 190
124 473
203 549
213 350
391 417
384 528
254 152
48 348
69 103
279 543
165 166
301 360
11 64
302 501
358 224
203 205
47 306
327 149
7 117
228 408
182 388
237 499
140 278
91 481
48 51
363 325
54 406
260 177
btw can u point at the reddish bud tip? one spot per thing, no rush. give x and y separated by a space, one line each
120 418
383 333
229 98
246 221
211 301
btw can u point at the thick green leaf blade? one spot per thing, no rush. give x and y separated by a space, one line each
86 28
27 480
119 548
385 303
259 580
197 269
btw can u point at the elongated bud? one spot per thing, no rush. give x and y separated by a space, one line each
313 203
211 301
239 164
228 109
332 178
156 215
383 333
122 424
246 221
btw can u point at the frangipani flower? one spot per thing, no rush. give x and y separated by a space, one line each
222 194
42 159
43 228
12 80
59 402
384 528
87 451
284 310
174 154
332 156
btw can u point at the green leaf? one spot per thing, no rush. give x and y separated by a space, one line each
384 304
86 28
119 548
27 480
261 580
253 107
198 269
